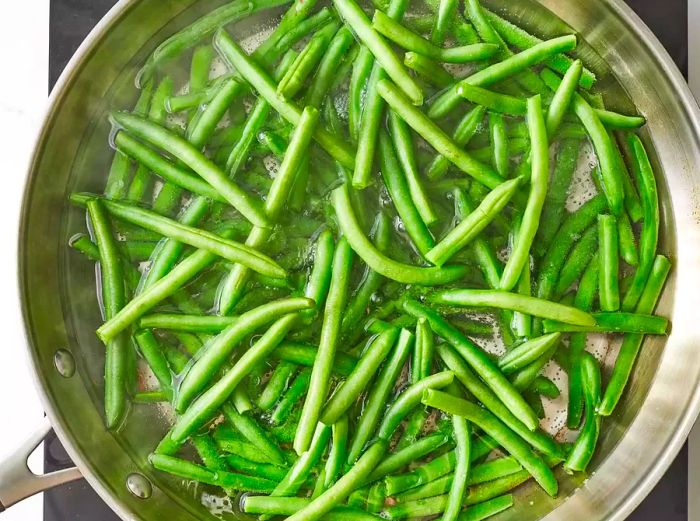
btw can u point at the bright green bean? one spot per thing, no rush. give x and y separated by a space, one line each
527 352
276 385
473 224
649 237
628 248
502 103
578 259
499 431
399 190
615 120
443 21
584 446
305 355
563 97
356 382
502 70
459 482
296 390
322 81
379 394
155 358
429 131
221 346
288 506
499 143
616 322
328 343
379 262
253 432
407 455
428 69
463 133
608 256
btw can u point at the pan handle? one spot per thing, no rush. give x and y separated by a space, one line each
17 482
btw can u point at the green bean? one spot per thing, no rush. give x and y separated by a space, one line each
582 450
150 397
296 390
502 70
371 281
628 248
555 201
578 259
632 343
233 285
231 444
521 39
493 403
499 144
513 301
615 120
361 70
155 358
520 254
198 238
407 455
252 468
428 69
403 144
571 229
429 131
221 346
412 41
320 376
200 29
563 97
473 224
322 81
424 337
482 511
459 482
153 161
305 355
546 387
253 433
425 473
502 103
399 190
607 153
616 322
413 427
609 264
336 494
416 361
338 452
527 352
204 123
288 506
649 237
379 394
142 177
465 130
478 360
444 19
408 399
205 407
521 324
193 99
208 452
267 89
361 26
375 259
276 385
355 383
191 323
190 471
113 301
185 152
307 61
499 431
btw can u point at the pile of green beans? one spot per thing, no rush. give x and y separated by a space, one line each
303 284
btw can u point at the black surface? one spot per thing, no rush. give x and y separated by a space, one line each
71 20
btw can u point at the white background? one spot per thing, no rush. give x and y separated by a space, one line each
24 43
23 95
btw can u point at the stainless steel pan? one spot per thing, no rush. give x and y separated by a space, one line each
60 311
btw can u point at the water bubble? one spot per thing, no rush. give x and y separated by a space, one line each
64 362
139 485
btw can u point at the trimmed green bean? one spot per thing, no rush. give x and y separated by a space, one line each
253 468
502 70
499 431
499 144
403 144
502 103
616 322
356 382
424 338
563 97
428 69
185 152
474 223
577 261
443 21
288 506
222 346
113 301
328 343
399 190
478 360
322 81
379 262
276 385
527 352
484 510
582 450
628 248
455 497
615 120
608 282
305 355
436 137
407 455
520 254
377 398
155 358
649 236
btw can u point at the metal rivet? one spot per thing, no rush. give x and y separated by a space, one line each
64 363
139 485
